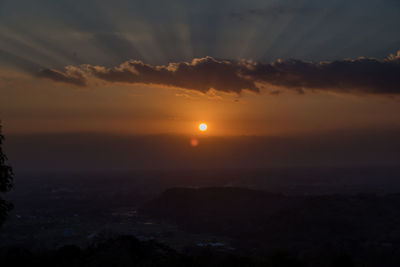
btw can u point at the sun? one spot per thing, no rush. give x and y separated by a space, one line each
203 127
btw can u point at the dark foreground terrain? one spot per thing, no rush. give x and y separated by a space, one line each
264 229
296 217
365 226
129 251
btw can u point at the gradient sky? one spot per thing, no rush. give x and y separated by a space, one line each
245 67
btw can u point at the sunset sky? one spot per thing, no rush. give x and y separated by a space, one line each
246 68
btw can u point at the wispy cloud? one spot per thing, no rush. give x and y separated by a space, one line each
71 75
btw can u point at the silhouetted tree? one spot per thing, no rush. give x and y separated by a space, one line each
6 181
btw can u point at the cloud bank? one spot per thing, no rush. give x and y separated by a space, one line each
362 75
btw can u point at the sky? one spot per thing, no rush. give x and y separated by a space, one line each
246 68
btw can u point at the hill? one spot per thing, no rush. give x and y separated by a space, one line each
364 225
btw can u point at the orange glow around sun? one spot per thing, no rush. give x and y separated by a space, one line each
203 127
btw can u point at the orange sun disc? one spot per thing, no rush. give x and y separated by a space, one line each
203 127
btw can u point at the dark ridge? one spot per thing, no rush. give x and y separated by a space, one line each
260 219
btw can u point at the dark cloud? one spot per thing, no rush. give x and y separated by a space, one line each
201 75
72 76
360 75
363 75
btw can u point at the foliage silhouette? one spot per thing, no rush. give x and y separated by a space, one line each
6 181
128 251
